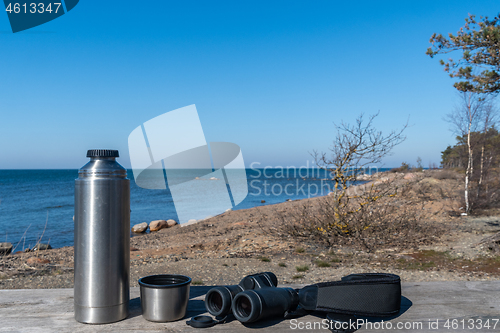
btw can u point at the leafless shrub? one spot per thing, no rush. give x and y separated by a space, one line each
346 211
369 225
371 228
368 216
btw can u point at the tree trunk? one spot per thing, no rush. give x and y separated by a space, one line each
481 172
489 163
468 173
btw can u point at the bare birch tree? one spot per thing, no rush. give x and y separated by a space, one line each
465 119
490 118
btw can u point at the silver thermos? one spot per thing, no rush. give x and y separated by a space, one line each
102 239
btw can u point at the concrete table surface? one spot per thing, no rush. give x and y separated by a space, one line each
426 307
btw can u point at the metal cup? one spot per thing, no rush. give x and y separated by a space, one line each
164 297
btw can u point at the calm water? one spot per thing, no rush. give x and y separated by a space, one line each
31 198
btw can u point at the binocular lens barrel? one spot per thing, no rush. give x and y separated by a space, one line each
246 307
218 300
253 305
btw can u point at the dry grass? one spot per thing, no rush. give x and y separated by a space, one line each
303 268
321 263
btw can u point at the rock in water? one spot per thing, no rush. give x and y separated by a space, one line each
5 248
140 228
158 225
41 247
171 223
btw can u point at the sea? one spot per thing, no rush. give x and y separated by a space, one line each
38 205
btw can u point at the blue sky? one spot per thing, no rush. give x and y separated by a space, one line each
271 76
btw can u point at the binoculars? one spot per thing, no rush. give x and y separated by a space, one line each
257 297
219 300
254 298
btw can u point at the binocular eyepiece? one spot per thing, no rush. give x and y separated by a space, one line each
219 300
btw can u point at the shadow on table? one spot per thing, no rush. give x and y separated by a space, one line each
196 307
197 291
134 306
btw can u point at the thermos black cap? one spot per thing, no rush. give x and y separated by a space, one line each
102 153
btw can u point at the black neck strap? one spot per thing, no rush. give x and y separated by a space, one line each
367 294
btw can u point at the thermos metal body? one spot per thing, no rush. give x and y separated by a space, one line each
102 240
